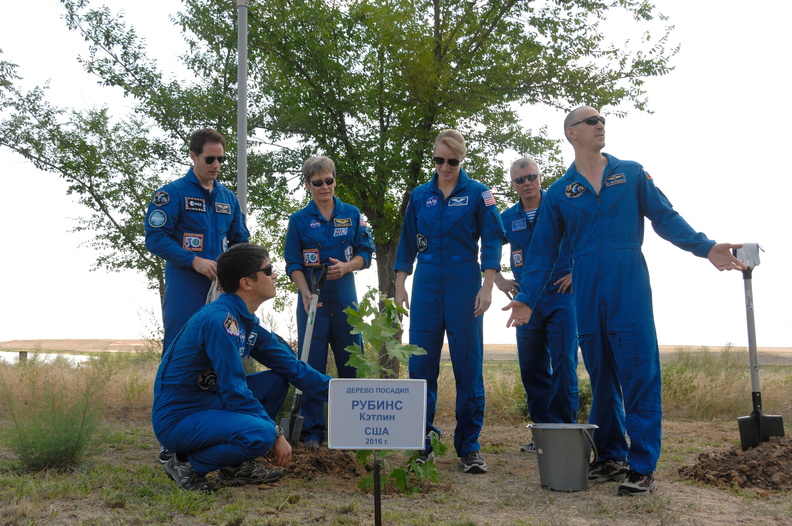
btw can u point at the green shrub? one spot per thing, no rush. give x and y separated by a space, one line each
53 414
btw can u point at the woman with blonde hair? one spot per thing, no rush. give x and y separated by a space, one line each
444 223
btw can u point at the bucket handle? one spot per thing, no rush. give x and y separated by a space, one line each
593 445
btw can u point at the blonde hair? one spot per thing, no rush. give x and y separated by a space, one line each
454 141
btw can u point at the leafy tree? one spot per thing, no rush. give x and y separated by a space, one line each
369 83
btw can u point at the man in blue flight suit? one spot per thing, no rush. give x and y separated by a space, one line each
547 346
189 223
600 205
328 231
205 409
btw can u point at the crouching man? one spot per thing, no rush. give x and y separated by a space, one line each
206 410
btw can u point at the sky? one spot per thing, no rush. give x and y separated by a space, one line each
712 145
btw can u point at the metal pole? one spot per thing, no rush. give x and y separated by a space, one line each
242 191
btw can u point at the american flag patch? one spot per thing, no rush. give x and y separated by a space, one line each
489 200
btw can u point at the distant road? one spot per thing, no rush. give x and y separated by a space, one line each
768 355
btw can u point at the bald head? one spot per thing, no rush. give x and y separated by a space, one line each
574 116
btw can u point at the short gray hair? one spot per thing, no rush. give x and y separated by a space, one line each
317 164
519 164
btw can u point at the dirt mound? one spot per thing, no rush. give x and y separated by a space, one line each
309 463
767 466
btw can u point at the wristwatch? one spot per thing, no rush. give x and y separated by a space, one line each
278 431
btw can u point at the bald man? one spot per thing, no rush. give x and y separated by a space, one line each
599 205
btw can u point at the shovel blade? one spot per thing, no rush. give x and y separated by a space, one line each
292 428
756 428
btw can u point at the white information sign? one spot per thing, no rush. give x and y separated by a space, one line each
376 414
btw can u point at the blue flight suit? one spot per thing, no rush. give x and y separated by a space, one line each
205 406
613 296
185 220
547 346
310 241
444 234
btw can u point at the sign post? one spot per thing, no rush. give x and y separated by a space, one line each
376 415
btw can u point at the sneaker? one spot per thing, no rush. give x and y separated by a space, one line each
250 472
473 463
312 443
183 474
164 455
638 484
530 447
424 457
606 471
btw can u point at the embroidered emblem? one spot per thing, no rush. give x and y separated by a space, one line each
348 253
311 257
575 190
342 222
489 199
161 198
207 380
252 338
195 204
222 208
615 179
423 243
315 223
157 219
517 258
648 176
193 242
458 201
338 232
231 326
519 224
430 202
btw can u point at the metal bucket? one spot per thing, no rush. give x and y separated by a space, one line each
564 454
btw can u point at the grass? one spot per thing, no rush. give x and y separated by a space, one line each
113 485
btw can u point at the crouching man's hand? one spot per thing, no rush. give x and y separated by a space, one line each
282 451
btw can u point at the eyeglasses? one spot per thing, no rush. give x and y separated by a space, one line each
521 180
319 182
210 159
266 270
440 161
591 121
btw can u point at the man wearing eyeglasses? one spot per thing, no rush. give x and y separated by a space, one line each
206 410
547 346
599 207
189 223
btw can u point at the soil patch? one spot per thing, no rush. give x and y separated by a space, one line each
767 466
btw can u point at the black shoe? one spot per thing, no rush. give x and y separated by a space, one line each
312 443
607 471
183 474
164 455
473 463
250 472
530 447
424 457
638 484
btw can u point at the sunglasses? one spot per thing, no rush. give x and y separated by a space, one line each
451 162
211 159
319 182
529 177
266 270
591 121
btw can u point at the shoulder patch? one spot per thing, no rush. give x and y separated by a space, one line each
161 198
231 325
489 199
157 219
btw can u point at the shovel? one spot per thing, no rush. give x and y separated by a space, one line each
756 427
293 424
